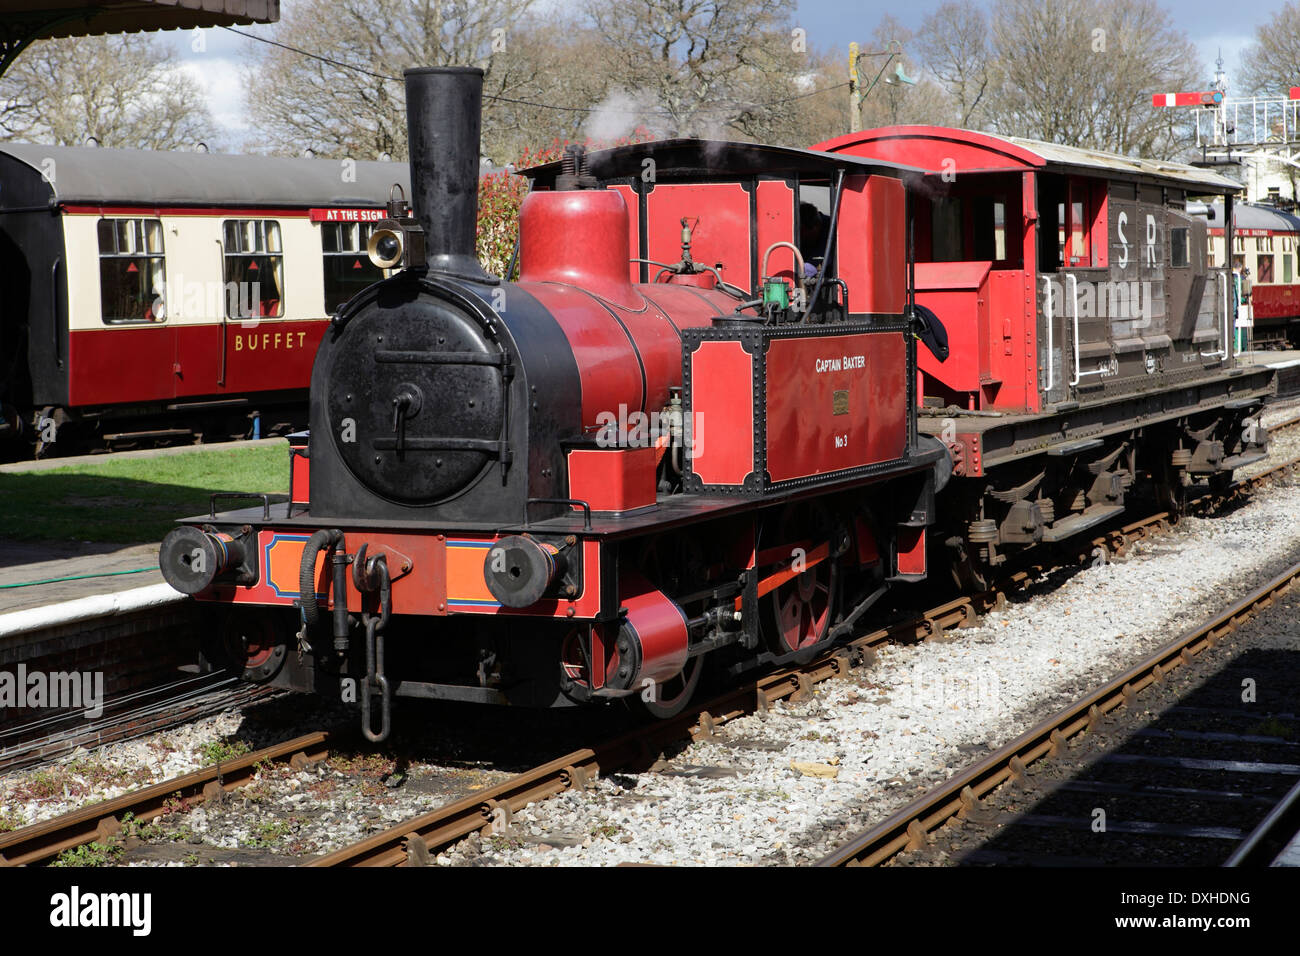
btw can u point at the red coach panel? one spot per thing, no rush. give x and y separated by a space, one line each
129 364
872 244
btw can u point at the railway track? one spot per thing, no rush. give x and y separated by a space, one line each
126 717
965 795
1276 840
43 841
417 840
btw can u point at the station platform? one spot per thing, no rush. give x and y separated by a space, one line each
1277 358
1287 363
38 574
35 574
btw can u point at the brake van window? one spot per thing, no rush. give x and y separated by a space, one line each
131 274
348 268
254 269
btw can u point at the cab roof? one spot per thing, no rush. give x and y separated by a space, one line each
689 159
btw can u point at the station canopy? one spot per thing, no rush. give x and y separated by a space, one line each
23 21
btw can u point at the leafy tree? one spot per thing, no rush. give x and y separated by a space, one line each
1271 64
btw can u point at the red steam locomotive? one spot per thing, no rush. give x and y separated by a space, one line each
688 433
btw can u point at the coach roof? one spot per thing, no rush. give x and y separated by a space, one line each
1248 215
95 176
951 150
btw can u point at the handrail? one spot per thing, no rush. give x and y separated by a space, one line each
1074 298
1050 319
1227 321
225 309
56 317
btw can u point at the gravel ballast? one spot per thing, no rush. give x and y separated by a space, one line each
785 788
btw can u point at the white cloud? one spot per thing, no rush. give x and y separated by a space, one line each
220 80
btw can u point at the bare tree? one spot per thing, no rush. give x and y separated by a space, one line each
954 44
699 67
1272 63
350 101
125 91
1081 73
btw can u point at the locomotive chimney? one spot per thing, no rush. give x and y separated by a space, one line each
443 121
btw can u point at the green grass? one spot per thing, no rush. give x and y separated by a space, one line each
91 854
267 834
134 500
222 751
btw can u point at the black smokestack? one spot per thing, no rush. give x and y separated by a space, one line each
443 122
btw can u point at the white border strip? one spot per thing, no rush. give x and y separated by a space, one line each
88 608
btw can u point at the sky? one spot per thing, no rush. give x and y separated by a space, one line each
828 22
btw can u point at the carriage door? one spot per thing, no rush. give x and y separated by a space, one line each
1072 238
1192 290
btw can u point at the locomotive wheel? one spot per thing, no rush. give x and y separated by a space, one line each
671 697
798 614
250 645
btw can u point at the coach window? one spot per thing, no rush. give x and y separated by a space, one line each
1286 268
131 271
1265 269
254 269
348 268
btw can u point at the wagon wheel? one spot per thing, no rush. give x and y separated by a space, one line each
797 615
42 448
1167 486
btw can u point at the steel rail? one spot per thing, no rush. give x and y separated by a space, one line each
100 821
908 828
1262 846
412 841
415 841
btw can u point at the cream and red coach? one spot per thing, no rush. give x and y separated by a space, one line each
1265 240
668 440
1091 341
150 295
